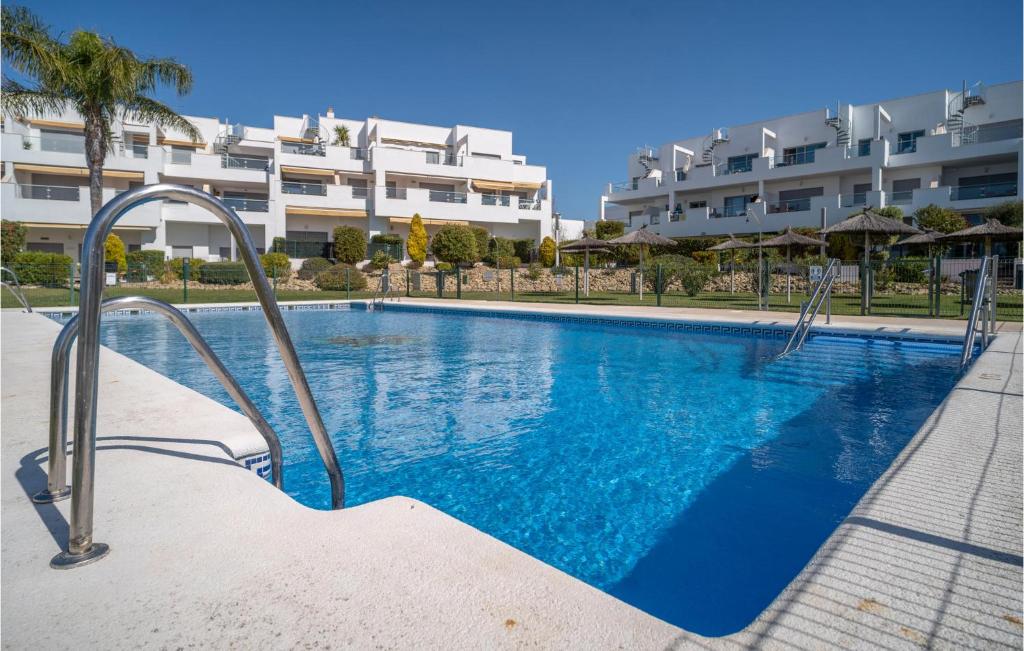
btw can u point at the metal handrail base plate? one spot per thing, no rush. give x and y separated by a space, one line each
46 496
69 561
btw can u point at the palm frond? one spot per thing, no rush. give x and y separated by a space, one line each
167 71
29 48
146 109
20 101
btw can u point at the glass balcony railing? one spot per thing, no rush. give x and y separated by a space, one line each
359 192
296 187
680 175
905 147
529 204
49 192
447 197
358 154
790 205
303 149
395 193
625 186
231 161
798 158
989 190
495 200
247 205
853 199
901 197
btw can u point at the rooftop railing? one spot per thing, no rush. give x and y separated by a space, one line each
529 204
625 186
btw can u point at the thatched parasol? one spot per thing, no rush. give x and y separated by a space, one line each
585 245
731 245
992 230
928 236
869 223
644 238
789 239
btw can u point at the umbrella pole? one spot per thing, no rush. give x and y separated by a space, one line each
732 273
586 272
641 273
865 297
789 298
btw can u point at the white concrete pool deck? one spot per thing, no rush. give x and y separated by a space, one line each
204 553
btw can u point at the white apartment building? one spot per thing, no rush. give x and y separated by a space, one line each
958 149
295 180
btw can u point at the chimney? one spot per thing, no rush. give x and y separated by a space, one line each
330 111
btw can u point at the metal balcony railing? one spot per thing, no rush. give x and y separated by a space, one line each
297 187
529 204
625 186
231 161
435 158
247 205
49 192
359 192
989 190
395 193
495 200
447 197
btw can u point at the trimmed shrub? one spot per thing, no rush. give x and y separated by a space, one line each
145 263
943 220
508 261
113 251
177 267
523 249
546 252
276 265
534 271
499 247
341 277
349 244
381 260
279 245
609 230
454 244
223 273
386 238
909 271
12 240
483 243
692 275
417 246
705 257
41 268
312 266
443 266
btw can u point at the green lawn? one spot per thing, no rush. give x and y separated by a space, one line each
914 305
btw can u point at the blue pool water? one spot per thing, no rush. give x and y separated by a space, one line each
691 475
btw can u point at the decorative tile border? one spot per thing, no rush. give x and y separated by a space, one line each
699 327
259 463
59 314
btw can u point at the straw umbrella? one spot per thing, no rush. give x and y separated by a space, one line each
644 238
789 239
731 245
585 245
869 223
992 230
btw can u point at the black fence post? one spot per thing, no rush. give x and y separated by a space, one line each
512 282
458 282
185 269
407 285
657 280
577 281
440 283
348 283
71 283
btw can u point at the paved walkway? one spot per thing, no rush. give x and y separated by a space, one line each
205 553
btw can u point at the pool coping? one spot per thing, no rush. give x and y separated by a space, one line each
825 605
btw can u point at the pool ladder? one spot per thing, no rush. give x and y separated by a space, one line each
982 310
15 288
822 295
81 548
382 292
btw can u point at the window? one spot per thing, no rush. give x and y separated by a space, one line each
634 213
864 147
736 206
903 190
800 155
698 204
743 163
46 247
140 147
907 142
433 157
134 247
680 175
62 141
181 155
181 251
492 156
225 252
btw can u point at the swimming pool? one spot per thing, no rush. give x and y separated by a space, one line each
689 474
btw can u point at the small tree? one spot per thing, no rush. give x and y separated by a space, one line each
609 230
12 240
546 253
483 241
341 137
349 244
113 251
279 245
417 245
1010 213
454 244
892 212
939 219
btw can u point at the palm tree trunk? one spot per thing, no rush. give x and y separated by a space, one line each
95 154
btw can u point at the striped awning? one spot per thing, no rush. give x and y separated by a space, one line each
481 184
413 143
57 124
76 171
181 143
428 222
82 227
325 212
316 171
294 139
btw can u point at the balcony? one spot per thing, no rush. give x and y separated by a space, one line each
789 205
987 191
435 158
49 192
297 187
495 200
345 159
239 204
321 195
471 206
70 152
416 162
395 193
901 198
440 196
529 204
236 162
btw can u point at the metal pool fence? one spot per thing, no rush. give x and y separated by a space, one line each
914 287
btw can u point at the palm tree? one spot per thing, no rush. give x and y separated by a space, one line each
90 73
341 135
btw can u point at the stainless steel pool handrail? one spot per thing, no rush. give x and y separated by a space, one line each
809 311
56 484
81 547
981 306
382 292
15 289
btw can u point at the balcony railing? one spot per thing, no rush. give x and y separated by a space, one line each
310 249
138 150
901 197
529 204
395 193
790 205
359 192
625 186
49 192
904 147
231 161
728 211
495 200
680 175
654 218
989 190
799 158
854 199
68 144
435 158
296 187
303 149
247 205
723 169
447 197
358 154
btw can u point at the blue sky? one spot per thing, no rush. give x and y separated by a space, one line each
580 84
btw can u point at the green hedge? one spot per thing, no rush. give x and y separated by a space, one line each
176 267
336 279
222 273
312 266
41 268
144 263
276 265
